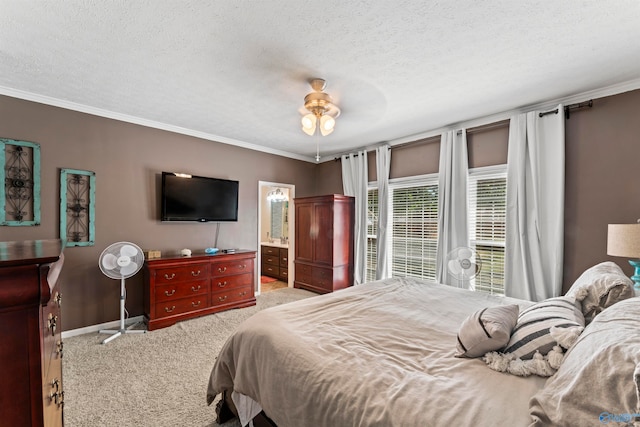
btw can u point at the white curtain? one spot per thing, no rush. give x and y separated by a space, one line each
535 206
354 182
452 202
383 166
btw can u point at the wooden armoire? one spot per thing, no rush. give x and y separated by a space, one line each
324 242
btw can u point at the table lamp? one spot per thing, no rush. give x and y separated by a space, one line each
623 240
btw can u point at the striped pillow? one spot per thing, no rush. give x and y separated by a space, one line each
531 333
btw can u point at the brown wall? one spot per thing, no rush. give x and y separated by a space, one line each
127 160
601 186
601 183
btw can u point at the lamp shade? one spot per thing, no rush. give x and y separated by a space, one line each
623 240
327 123
309 124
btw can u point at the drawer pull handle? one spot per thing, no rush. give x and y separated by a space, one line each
59 348
169 310
166 276
58 299
221 299
222 269
167 293
242 266
195 273
58 395
243 293
222 284
195 304
194 289
53 321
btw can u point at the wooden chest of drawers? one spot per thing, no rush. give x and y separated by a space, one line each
275 262
179 288
31 351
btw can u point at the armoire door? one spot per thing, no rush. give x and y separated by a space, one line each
304 232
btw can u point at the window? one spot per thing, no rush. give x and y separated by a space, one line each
372 233
413 220
487 225
414 229
414 226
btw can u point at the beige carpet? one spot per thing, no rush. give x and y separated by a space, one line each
155 379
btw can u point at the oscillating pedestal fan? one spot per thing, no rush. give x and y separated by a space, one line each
120 261
463 263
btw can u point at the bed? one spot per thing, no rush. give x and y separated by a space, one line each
383 354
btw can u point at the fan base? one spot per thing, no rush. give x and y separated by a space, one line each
116 333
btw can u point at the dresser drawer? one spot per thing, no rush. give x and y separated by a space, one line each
323 277
270 259
303 273
179 306
316 276
181 290
232 267
222 284
284 257
270 270
284 273
270 250
232 295
182 273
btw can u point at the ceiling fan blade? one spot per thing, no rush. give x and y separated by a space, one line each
128 250
129 269
109 262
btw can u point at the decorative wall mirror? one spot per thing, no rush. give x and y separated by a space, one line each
19 183
77 207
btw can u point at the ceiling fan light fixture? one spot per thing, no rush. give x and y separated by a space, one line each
322 110
309 124
327 123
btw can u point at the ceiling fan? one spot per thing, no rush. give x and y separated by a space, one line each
322 112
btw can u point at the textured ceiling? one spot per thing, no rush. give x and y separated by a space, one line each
237 71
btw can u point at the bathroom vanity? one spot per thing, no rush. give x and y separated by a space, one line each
275 261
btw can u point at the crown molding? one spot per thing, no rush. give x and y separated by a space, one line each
56 102
571 99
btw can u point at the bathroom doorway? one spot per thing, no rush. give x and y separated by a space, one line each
275 235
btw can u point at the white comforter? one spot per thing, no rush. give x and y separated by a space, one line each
379 354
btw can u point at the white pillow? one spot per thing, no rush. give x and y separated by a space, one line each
605 284
598 376
486 330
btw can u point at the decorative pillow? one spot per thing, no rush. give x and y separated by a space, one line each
486 330
598 379
606 284
532 331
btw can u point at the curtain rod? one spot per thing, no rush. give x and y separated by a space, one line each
436 138
568 108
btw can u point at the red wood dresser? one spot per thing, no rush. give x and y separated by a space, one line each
31 351
178 288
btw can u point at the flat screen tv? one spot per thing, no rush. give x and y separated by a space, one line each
198 198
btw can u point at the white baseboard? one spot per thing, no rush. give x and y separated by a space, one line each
95 328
